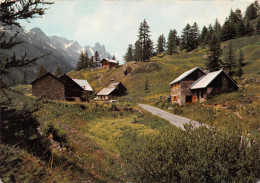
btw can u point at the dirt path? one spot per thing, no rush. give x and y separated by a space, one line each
173 119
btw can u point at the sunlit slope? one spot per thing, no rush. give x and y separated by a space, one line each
161 70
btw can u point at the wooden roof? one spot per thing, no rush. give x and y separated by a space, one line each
45 75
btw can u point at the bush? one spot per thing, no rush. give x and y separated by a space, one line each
20 127
57 134
178 111
193 155
18 166
114 108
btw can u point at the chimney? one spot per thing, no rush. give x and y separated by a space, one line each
225 69
206 70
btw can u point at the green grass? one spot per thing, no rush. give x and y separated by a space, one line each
93 132
160 71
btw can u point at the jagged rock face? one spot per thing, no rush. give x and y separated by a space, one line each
64 52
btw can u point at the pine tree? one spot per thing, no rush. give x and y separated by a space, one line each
145 43
161 44
240 64
129 54
137 51
80 64
257 28
172 42
58 71
96 59
195 35
240 29
186 38
113 58
214 61
41 72
217 29
230 59
86 61
228 31
190 37
249 28
91 62
203 35
252 11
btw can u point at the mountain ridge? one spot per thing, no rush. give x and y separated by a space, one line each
64 53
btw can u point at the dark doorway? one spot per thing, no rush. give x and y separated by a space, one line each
188 99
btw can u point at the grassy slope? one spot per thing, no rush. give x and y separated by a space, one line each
160 71
94 132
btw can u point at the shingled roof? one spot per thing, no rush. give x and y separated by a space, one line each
185 74
205 80
106 91
83 84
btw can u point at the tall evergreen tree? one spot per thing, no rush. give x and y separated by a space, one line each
240 64
86 61
145 42
172 41
91 62
217 29
257 28
230 60
249 28
96 59
114 57
252 11
137 51
186 38
228 31
190 37
129 54
213 60
80 64
161 44
203 36
195 34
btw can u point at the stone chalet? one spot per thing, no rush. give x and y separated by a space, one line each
113 91
197 85
108 63
50 87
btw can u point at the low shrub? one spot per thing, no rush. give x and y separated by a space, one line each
192 155
57 134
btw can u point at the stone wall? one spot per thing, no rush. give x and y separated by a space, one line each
49 88
186 91
222 85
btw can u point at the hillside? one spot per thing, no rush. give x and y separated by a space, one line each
161 70
104 142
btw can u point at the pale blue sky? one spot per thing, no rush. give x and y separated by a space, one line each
115 23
